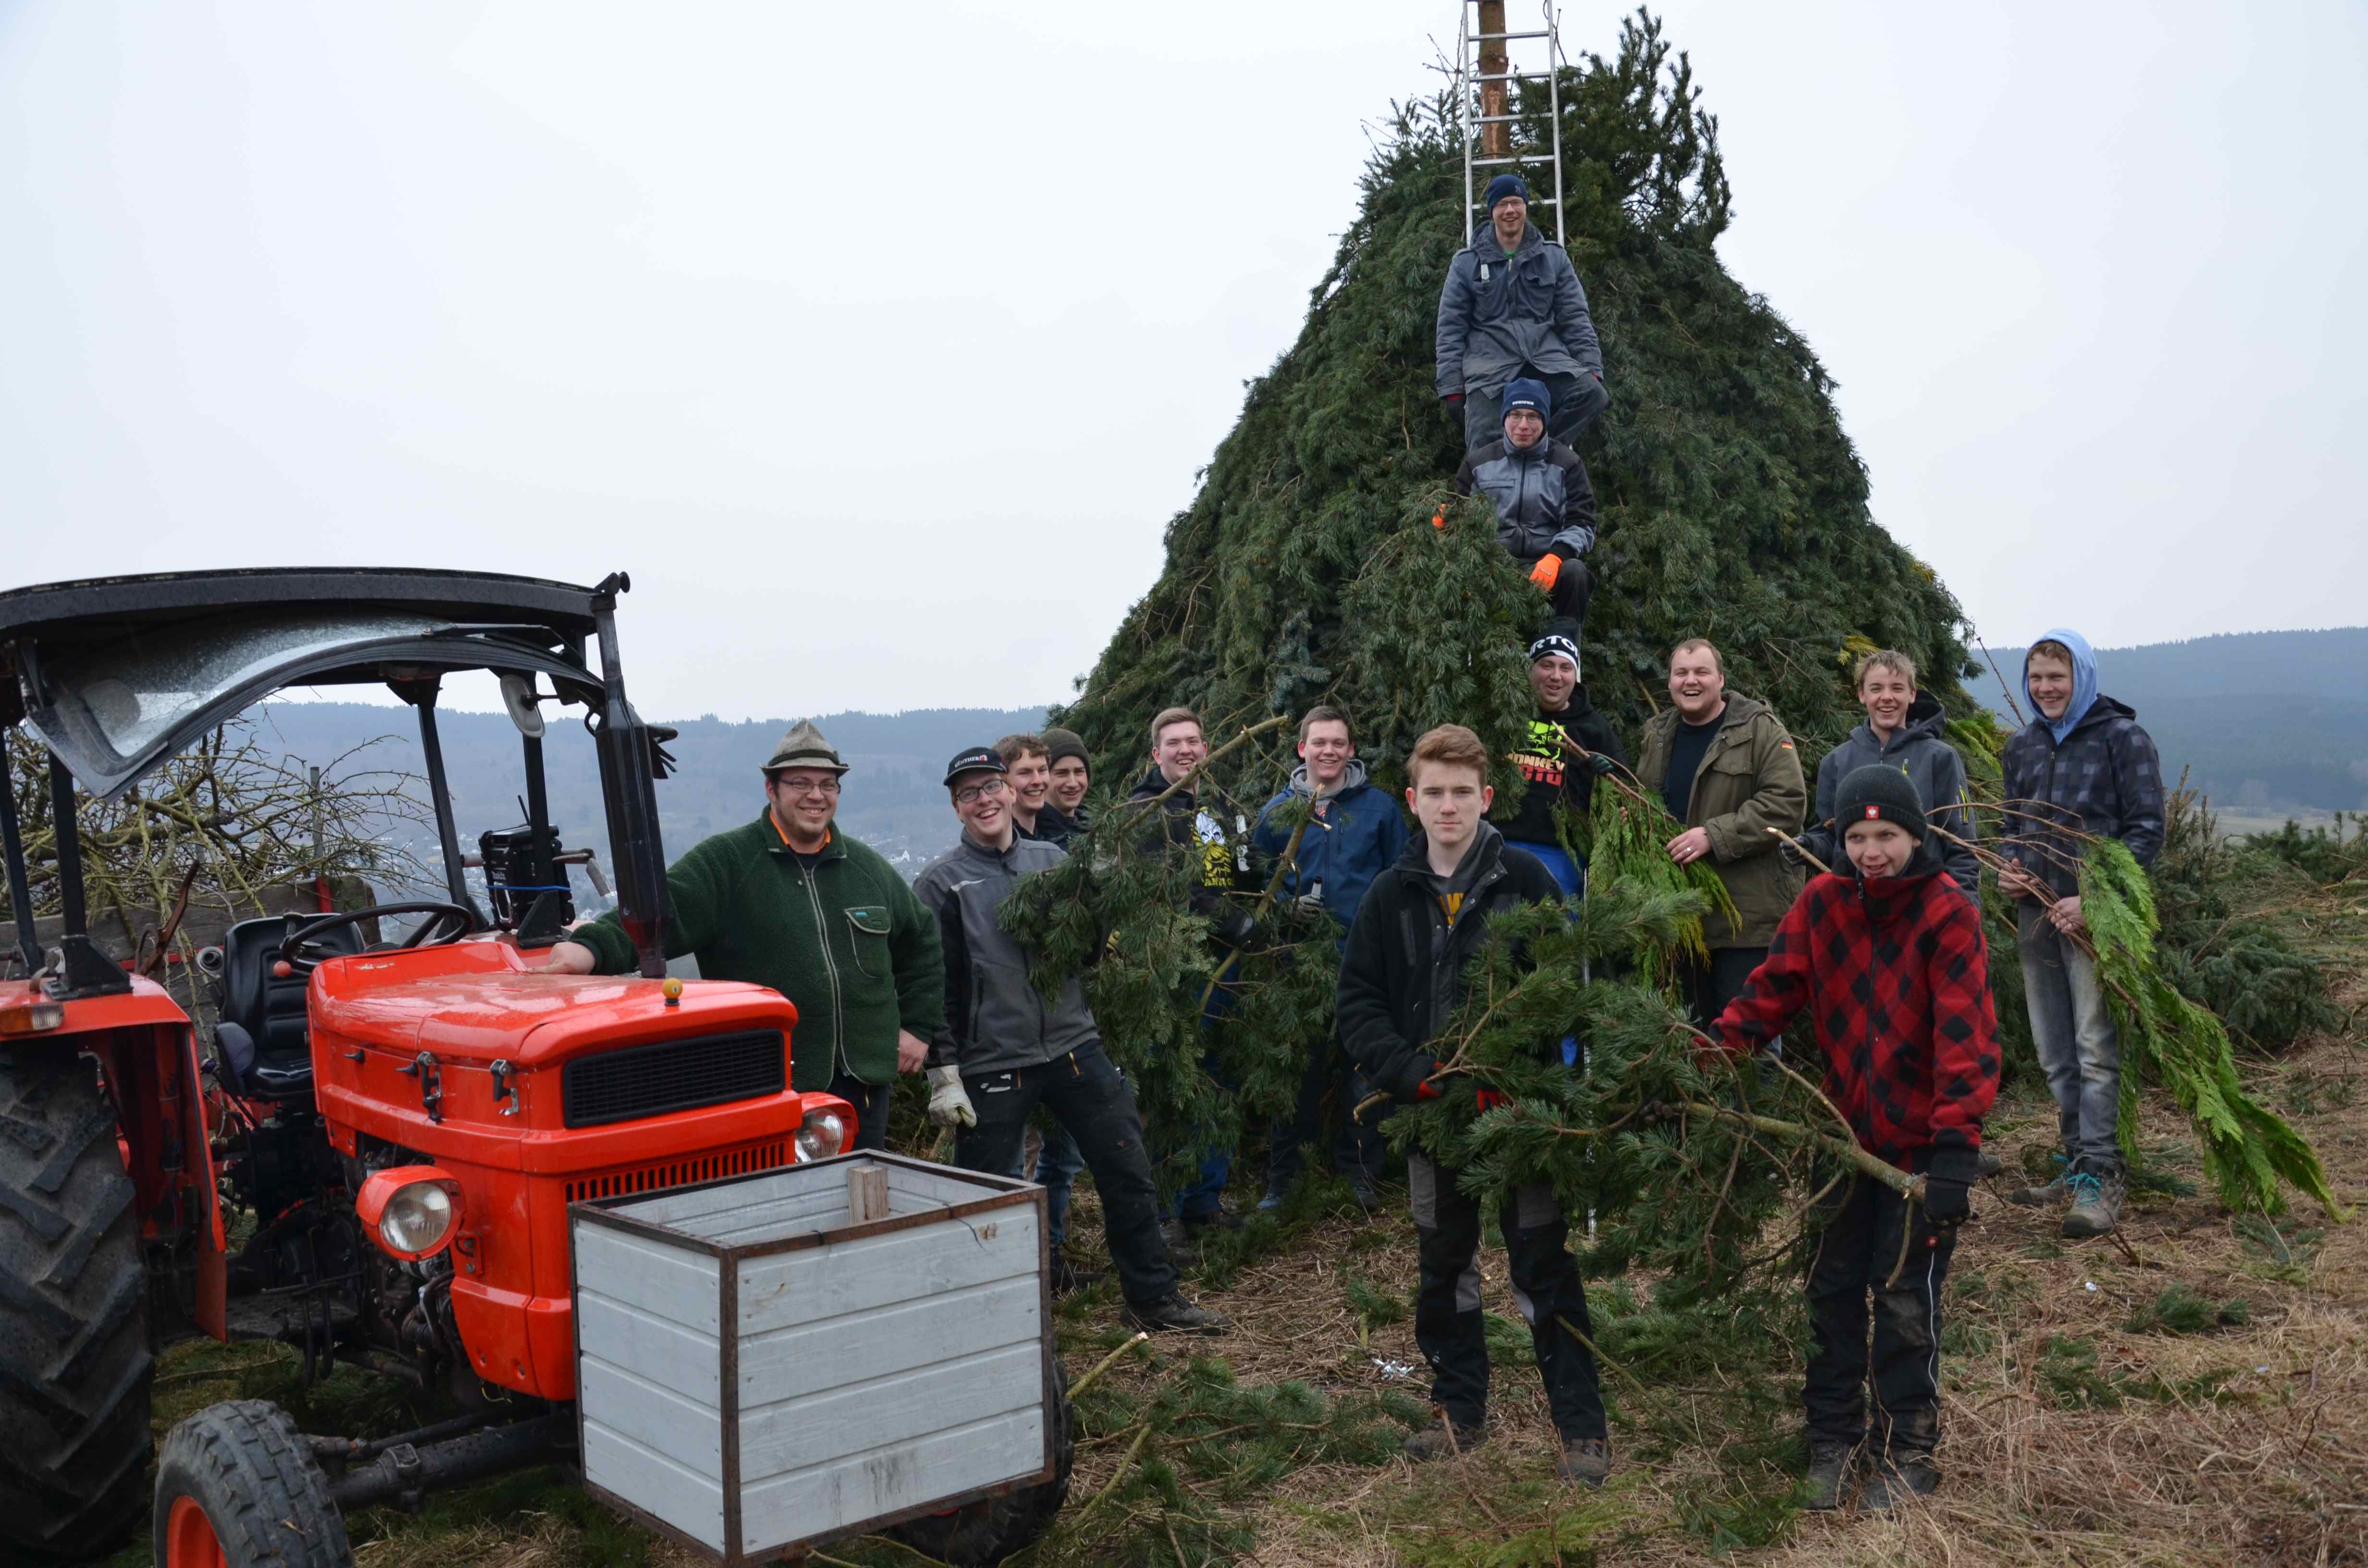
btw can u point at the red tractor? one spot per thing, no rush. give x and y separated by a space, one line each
371 1157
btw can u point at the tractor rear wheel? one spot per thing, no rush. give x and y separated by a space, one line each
74 1366
985 1533
237 1487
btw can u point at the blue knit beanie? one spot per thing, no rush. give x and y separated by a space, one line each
1526 393
1504 186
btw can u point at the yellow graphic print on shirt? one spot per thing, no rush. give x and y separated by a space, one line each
1543 762
1216 860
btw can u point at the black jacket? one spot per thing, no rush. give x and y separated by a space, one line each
1550 774
1544 503
1402 976
1217 866
1052 826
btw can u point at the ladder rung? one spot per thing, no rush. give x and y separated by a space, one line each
1534 202
1497 118
1517 158
1514 76
1490 37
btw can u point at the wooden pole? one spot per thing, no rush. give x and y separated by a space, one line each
1495 139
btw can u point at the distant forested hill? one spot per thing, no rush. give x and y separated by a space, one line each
2261 719
892 799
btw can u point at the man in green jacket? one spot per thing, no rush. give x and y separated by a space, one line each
1725 768
791 903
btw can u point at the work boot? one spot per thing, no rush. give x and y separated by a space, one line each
2048 1195
1218 1219
1987 1164
1067 1276
1898 1477
1271 1201
1433 1443
2096 1203
1176 1236
1174 1314
1362 1189
1828 1463
1583 1461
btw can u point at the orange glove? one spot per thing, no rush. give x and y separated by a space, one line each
1543 573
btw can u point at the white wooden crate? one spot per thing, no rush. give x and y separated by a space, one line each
782 1359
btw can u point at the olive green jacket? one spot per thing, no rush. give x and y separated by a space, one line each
849 943
1749 782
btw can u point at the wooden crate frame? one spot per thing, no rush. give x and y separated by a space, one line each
1004 1192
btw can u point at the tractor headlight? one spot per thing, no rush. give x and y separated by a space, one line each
823 1135
417 1218
416 1208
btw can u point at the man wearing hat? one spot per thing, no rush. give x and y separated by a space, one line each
1545 507
1002 1048
1512 307
1568 747
1072 774
791 903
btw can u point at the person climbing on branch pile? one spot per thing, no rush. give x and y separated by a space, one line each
1545 507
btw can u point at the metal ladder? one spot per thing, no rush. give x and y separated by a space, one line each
1483 73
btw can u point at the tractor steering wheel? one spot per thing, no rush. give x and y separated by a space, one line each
300 952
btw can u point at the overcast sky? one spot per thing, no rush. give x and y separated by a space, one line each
882 360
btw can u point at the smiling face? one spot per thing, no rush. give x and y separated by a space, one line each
1031 782
982 802
1887 695
1697 685
2050 680
1327 751
1071 780
1553 680
805 799
1178 749
1878 848
1523 428
1449 800
1510 216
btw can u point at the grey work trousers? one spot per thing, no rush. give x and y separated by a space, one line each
2079 1049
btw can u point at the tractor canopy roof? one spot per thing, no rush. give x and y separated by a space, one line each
118 673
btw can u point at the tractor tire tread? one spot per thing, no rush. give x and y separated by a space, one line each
244 1462
983 1534
75 1368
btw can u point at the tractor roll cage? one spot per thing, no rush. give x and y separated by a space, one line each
231 639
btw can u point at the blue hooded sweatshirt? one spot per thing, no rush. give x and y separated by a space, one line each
2092 773
2084 681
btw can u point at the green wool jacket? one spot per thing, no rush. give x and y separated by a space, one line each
849 943
1749 782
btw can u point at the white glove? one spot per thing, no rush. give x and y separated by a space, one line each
948 1102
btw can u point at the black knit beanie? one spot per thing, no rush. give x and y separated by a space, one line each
1059 744
1879 793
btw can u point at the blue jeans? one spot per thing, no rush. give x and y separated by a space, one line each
2079 1049
1058 1162
1570 875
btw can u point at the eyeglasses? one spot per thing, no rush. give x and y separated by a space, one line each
810 786
987 790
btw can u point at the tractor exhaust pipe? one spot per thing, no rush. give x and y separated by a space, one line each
403 1473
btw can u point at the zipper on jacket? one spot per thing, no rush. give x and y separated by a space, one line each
830 968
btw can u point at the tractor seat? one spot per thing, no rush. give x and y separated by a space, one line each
269 1009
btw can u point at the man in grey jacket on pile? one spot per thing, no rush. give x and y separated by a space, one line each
1511 307
1004 1049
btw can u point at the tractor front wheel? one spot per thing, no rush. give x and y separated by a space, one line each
75 1367
237 1487
983 1534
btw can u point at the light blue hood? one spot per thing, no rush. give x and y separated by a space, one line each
2084 682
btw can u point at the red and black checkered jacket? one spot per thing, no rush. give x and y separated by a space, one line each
1893 973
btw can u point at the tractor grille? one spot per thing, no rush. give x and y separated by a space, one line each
680 1172
682 1074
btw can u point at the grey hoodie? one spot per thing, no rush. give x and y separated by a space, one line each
996 1019
1931 764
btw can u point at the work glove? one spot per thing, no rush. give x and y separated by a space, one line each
1546 572
1949 1180
1424 1088
1455 401
1309 903
1602 764
948 1101
1235 928
1487 1100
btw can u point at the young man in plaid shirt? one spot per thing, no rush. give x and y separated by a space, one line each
1884 959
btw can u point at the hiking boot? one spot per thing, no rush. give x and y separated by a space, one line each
1174 1314
1367 1198
1987 1164
1433 1443
1067 1276
1218 1219
1828 1463
1898 1477
1178 1237
1585 1461
1271 1201
2048 1195
2096 1204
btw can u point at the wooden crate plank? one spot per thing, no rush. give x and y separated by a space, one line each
649 1481
681 1287
923 1189
794 1433
867 1194
689 1432
811 1357
782 1289
795 1214
665 1353
850 1488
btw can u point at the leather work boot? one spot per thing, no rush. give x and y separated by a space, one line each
1898 1477
1585 1461
1828 1463
2048 1195
1174 1314
2096 1204
1432 1442
1986 1163
1067 1276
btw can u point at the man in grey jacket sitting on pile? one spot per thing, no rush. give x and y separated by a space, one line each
1004 1049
